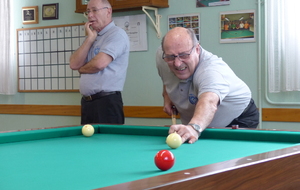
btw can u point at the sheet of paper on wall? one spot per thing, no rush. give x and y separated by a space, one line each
135 27
43 57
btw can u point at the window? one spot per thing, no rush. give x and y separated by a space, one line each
283 45
7 67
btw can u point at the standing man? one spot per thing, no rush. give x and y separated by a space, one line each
202 87
102 61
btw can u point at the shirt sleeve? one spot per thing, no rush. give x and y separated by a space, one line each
212 81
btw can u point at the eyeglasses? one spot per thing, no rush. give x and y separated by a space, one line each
170 58
94 11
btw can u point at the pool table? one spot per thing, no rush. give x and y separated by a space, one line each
235 34
122 157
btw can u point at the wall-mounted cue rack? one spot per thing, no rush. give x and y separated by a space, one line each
43 58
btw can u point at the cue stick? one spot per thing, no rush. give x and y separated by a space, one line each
173 115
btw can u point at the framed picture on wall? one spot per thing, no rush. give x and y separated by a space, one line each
50 11
211 3
237 26
30 15
187 21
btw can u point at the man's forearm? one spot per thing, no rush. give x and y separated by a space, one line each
78 58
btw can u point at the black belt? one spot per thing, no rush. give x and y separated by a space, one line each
98 95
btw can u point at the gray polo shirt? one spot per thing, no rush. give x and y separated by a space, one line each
211 75
113 41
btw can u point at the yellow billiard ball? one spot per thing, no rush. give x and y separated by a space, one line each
174 140
87 130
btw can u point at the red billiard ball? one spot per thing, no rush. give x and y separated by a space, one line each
234 126
164 160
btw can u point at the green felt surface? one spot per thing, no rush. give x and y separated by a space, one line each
64 159
232 34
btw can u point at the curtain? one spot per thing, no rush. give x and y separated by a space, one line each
7 67
283 45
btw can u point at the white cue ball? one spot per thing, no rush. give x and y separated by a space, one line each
174 140
88 130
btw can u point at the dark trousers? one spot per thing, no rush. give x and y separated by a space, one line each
106 109
249 118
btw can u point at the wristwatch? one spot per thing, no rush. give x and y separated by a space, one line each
196 127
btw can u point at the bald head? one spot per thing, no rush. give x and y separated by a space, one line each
181 51
177 37
104 3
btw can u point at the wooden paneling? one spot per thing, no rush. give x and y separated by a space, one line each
126 5
63 110
281 114
268 114
74 110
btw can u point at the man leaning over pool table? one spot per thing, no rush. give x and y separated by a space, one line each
202 87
